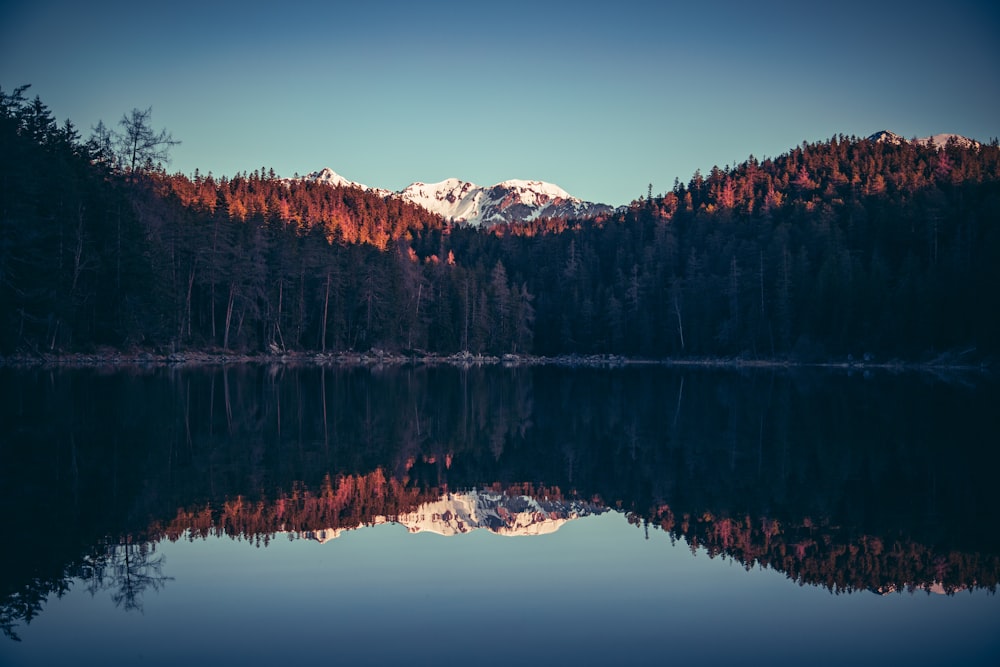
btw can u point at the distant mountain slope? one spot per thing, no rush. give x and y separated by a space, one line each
937 140
509 201
461 201
328 176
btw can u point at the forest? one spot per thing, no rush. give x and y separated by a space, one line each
842 249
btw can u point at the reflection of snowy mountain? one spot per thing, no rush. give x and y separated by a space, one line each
496 512
458 513
937 588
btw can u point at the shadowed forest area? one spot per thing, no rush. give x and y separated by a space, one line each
849 246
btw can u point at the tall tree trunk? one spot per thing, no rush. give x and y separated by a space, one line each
78 251
229 315
187 304
212 303
677 311
214 270
416 318
784 305
370 302
762 284
277 322
465 333
326 310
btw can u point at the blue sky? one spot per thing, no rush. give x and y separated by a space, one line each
601 99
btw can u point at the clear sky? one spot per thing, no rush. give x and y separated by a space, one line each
599 98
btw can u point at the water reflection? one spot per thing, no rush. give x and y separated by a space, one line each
850 484
127 570
461 513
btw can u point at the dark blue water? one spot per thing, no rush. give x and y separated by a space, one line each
498 516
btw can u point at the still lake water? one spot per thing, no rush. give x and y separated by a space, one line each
253 515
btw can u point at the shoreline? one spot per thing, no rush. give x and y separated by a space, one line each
375 358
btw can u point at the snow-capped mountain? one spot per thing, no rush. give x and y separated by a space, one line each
885 137
509 201
459 513
452 198
328 176
462 201
938 140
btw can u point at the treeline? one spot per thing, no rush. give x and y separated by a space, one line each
259 263
842 247
73 260
347 502
819 554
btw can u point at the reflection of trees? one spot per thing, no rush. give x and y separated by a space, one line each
127 570
23 604
256 449
810 551
348 501
819 553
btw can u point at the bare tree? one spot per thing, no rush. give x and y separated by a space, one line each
139 146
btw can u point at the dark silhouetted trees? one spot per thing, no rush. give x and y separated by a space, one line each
844 247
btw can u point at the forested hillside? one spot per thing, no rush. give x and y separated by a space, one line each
843 247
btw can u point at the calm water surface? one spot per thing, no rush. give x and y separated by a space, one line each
633 516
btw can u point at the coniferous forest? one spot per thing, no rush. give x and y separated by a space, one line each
848 246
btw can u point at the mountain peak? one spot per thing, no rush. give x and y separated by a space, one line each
513 200
937 141
455 200
536 186
451 198
330 177
886 137
941 140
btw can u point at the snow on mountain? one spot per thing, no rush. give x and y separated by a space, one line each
460 513
452 198
886 137
461 201
937 588
509 201
938 140
328 176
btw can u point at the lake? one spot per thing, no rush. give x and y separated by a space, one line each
429 514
